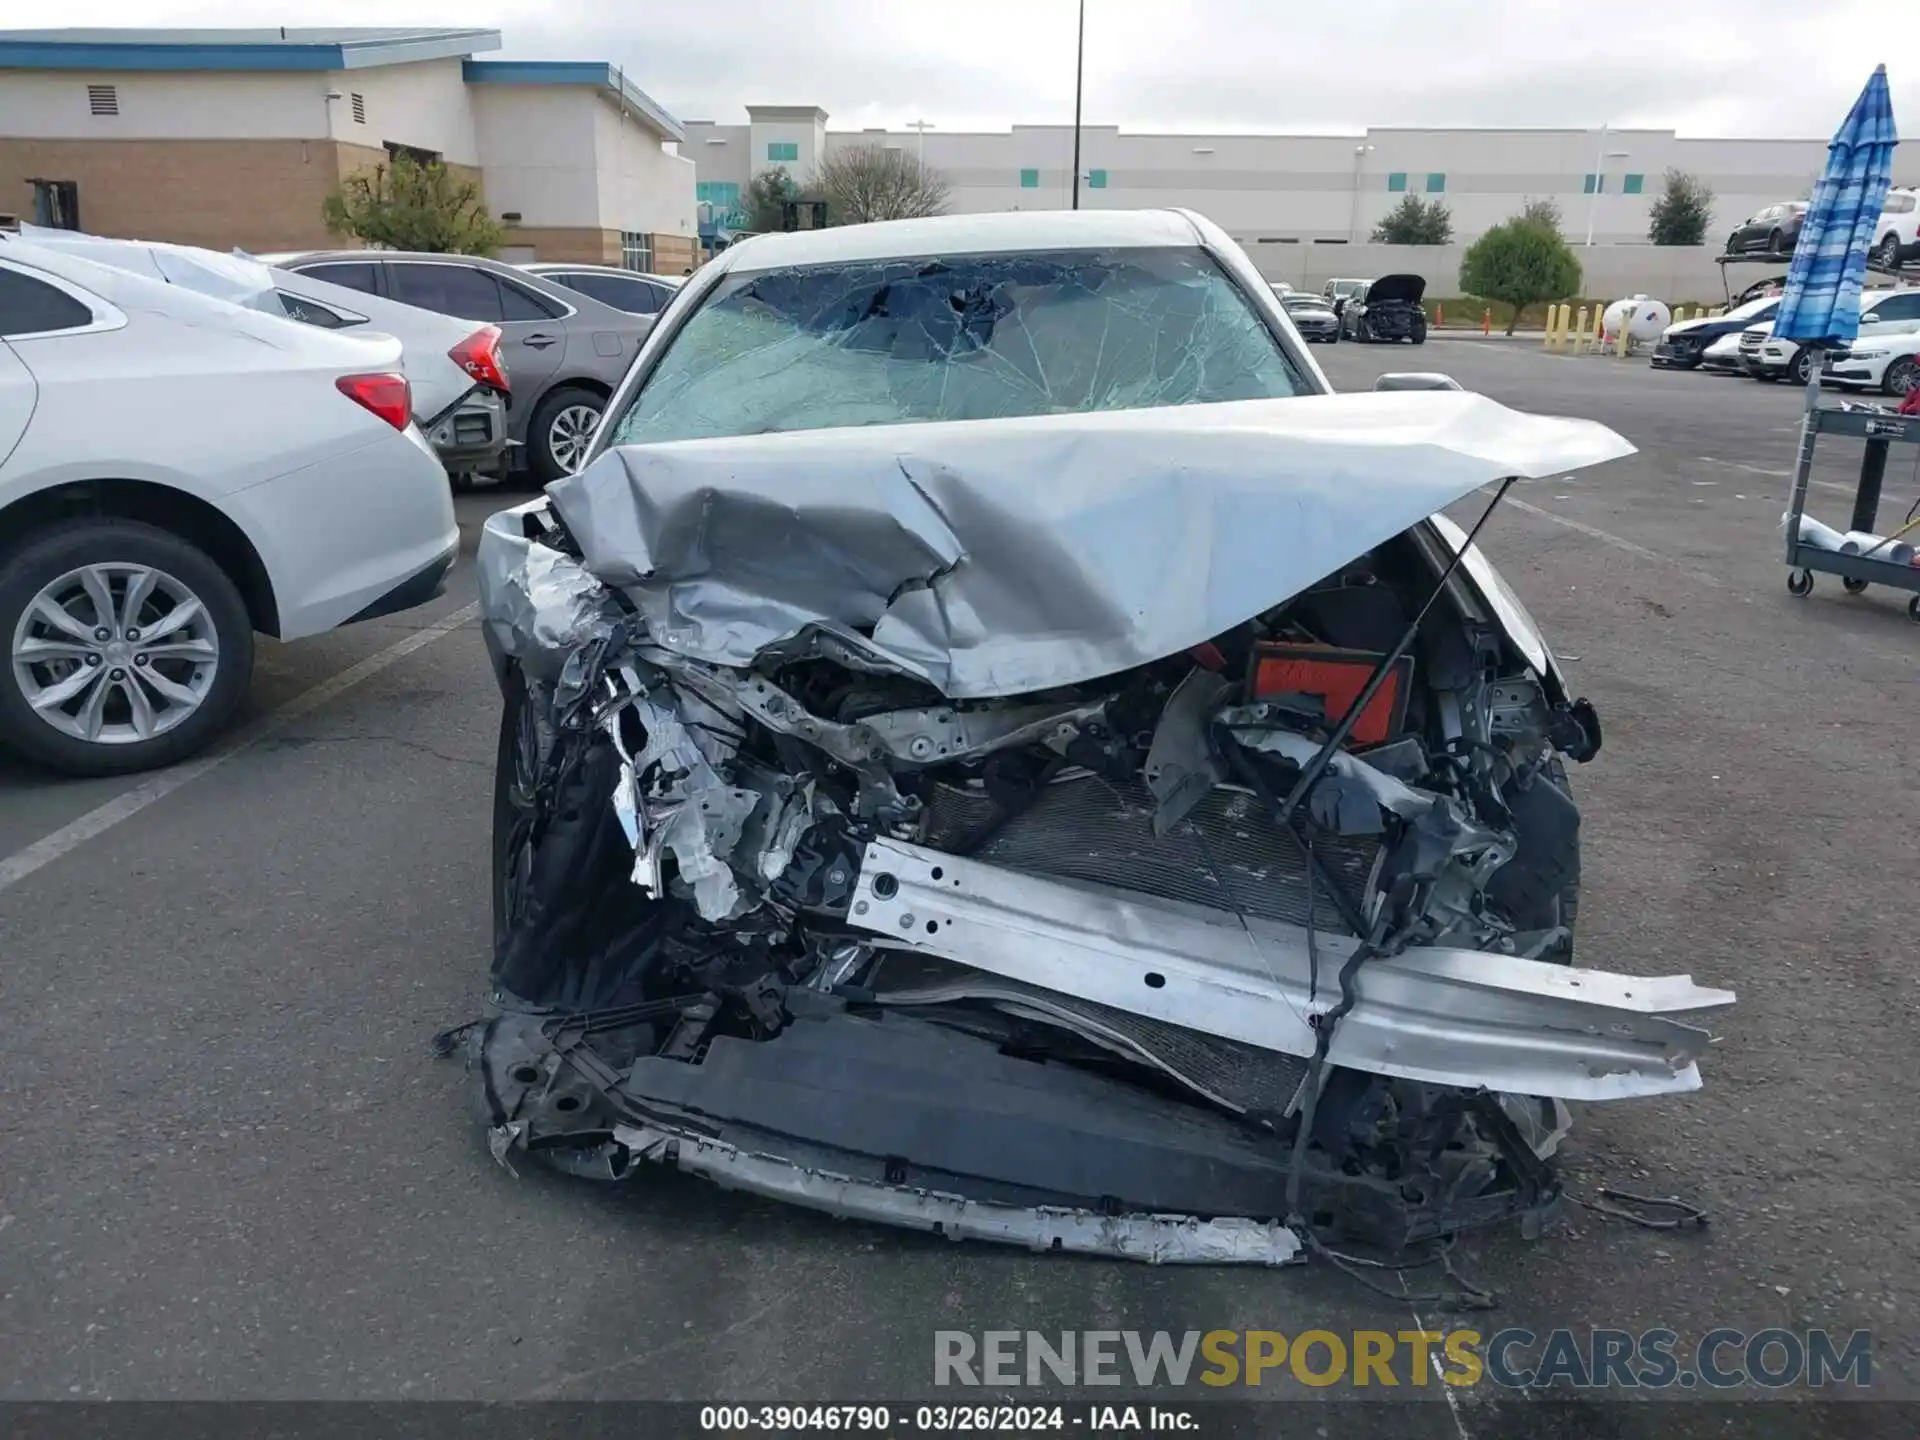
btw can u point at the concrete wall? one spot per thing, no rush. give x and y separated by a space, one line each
424 105
801 126
538 147
1670 273
643 185
190 105
1272 188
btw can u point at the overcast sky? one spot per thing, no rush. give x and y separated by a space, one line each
1763 68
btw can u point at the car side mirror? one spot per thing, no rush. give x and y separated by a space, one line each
1417 380
1869 319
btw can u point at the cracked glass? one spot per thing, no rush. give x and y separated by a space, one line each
961 338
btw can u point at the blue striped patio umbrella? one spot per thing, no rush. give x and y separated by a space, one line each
1821 306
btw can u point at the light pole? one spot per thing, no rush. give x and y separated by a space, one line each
920 147
1079 75
1600 178
1353 210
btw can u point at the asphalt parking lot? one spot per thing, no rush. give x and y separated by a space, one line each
232 1169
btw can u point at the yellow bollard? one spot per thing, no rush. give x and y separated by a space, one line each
1551 334
1580 329
1566 323
1679 313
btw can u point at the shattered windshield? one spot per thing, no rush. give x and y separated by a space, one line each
967 338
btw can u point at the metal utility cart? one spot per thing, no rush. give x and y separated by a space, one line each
1882 430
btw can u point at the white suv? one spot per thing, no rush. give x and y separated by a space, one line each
1897 237
1882 312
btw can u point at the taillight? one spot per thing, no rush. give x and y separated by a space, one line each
388 396
479 356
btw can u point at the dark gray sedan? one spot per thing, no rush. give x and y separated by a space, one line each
565 351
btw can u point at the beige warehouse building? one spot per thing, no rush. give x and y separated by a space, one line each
235 137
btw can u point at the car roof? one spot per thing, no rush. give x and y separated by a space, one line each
301 257
1010 231
568 267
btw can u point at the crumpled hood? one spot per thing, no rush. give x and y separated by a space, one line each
997 557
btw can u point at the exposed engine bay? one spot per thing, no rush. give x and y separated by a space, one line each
1268 935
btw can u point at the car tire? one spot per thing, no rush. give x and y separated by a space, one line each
1902 375
182 684
516 764
1887 253
1362 332
554 439
1774 241
1801 367
1418 335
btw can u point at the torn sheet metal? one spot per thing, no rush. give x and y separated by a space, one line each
538 605
1449 1017
1155 1239
993 557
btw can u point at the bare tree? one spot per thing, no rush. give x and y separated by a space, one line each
871 182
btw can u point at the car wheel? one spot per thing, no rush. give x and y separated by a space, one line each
1774 242
1419 333
1902 375
127 648
1802 367
1888 253
1733 243
562 431
1362 332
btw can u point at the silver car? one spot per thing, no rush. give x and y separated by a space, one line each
565 351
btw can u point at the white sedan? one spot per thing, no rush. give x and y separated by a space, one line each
177 472
455 368
1888 362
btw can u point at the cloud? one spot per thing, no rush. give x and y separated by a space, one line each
1763 68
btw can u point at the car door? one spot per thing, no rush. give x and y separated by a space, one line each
1894 313
532 339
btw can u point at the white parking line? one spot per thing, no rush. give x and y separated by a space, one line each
1750 469
43 852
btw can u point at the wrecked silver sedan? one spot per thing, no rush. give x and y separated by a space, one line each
992 745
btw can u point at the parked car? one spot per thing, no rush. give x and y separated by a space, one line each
1312 316
1751 339
1683 346
455 371
1897 236
1882 313
1887 362
912 824
1337 292
1387 309
1724 355
177 472
1770 230
565 350
633 291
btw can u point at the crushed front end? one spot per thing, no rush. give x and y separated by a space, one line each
864 843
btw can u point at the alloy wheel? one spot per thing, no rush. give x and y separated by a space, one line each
114 654
1901 377
571 435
